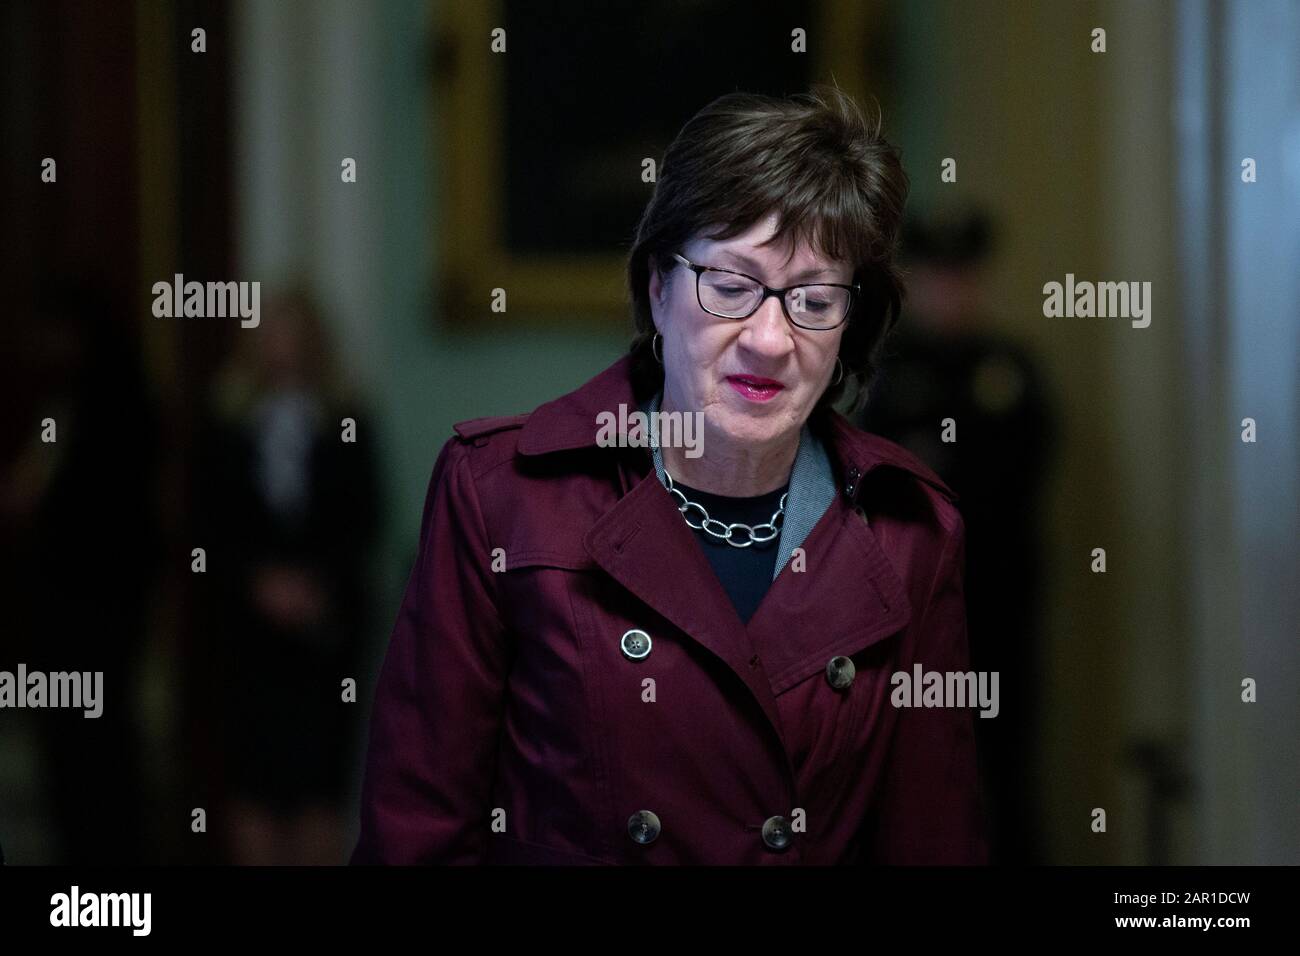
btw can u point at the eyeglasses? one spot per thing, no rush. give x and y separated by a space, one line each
820 307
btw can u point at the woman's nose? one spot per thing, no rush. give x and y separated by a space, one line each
767 330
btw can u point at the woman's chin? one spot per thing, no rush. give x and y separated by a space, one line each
748 429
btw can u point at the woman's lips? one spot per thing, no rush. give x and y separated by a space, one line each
754 387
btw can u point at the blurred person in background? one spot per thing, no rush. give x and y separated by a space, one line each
291 509
81 555
946 362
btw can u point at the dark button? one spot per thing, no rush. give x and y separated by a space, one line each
635 645
840 672
643 826
776 833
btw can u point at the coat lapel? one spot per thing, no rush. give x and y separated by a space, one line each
643 544
848 597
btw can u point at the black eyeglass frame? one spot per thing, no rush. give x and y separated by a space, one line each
854 291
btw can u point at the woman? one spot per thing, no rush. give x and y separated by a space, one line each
655 655
290 503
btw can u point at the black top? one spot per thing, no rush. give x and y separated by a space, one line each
745 573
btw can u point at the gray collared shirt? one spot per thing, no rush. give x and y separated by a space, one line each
811 491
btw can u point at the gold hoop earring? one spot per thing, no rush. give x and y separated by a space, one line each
657 338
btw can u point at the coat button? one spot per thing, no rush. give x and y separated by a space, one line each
840 672
776 833
643 826
635 645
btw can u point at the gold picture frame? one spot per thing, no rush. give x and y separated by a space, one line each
474 251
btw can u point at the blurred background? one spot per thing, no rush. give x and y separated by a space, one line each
223 156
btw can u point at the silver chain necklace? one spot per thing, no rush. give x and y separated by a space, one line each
756 534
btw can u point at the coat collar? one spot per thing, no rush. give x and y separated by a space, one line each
570 421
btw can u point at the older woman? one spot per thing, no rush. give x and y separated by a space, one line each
613 653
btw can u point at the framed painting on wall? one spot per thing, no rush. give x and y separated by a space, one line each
542 131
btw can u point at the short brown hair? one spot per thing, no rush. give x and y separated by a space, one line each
829 174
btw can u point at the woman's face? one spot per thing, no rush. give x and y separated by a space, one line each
704 354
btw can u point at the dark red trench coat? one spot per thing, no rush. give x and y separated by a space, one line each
509 725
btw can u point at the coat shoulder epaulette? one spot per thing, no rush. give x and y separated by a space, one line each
474 429
895 456
905 460
871 449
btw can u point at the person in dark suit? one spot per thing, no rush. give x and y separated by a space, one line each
949 362
291 510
